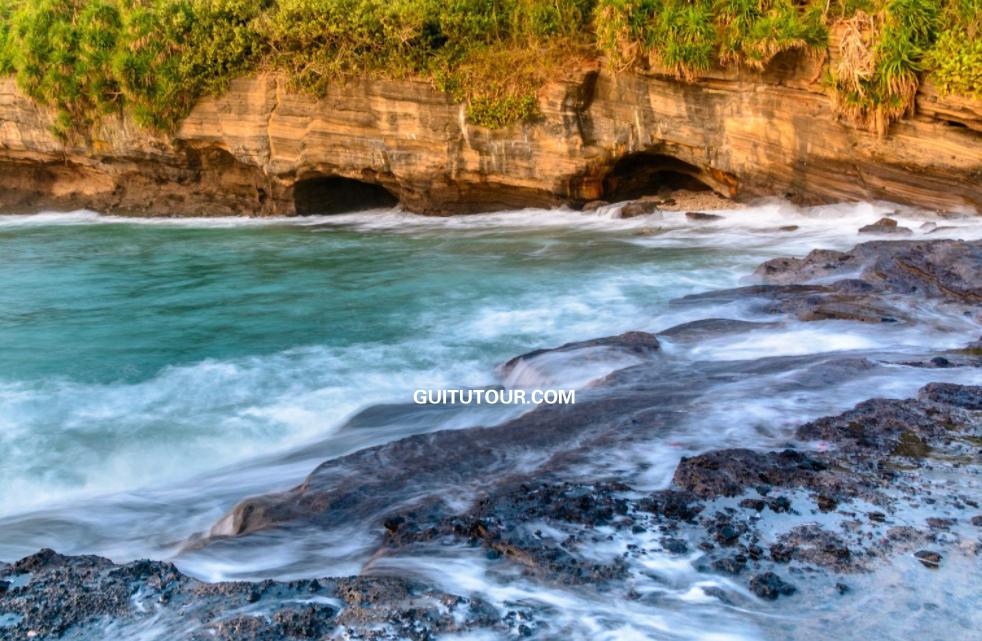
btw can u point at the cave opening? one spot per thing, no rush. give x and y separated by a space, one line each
647 174
324 195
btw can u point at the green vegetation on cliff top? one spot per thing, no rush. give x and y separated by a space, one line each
155 58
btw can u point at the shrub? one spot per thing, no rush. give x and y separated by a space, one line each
690 36
955 60
878 75
156 58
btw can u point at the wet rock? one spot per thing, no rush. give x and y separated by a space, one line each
844 300
672 504
639 208
770 586
779 504
882 425
711 327
826 503
928 558
944 269
82 597
728 533
497 520
781 553
753 504
674 546
730 564
977 520
884 226
964 396
729 472
634 343
702 217
974 348
813 544
594 205
938 523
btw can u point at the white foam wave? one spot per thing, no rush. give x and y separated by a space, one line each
829 223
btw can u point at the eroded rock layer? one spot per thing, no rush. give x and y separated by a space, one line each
600 135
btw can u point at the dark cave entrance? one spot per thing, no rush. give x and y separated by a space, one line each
337 195
647 174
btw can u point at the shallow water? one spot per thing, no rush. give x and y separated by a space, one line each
155 372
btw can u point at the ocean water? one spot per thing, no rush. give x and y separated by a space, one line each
154 372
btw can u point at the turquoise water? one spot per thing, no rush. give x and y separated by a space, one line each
133 353
153 373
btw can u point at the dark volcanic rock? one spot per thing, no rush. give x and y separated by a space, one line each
964 396
498 520
728 472
907 428
813 544
672 504
768 585
83 596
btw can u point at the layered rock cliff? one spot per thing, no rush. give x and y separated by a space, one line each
261 149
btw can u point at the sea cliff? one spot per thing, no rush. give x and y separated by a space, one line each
263 149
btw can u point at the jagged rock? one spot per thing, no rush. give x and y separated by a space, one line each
770 586
813 544
68 595
965 396
728 472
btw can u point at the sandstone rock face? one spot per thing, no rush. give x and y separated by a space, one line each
601 134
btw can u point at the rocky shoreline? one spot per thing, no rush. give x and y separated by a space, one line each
845 494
